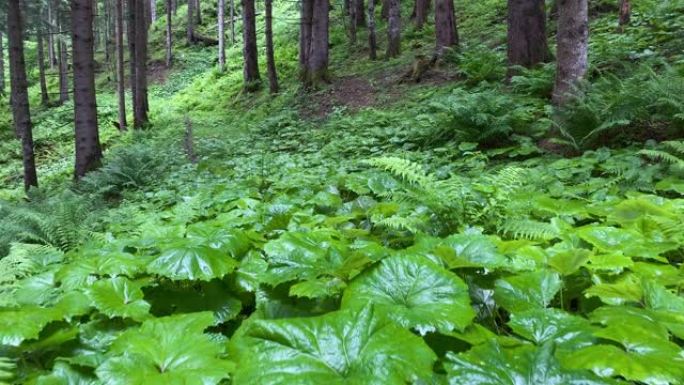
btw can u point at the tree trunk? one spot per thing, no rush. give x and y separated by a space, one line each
2 67
372 41
169 34
191 22
52 57
44 98
270 57
250 53
384 10
153 10
199 12
21 114
420 12
359 12
131 32
625 14
394 29
527 44
572 40
314 42
63 69
120 71
222 35
446 29
352 22
305 23
232 21
140 108
88 151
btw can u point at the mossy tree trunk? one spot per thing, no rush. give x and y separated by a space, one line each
249 49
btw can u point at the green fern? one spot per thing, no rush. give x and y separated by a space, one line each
530 229
7 367
677 147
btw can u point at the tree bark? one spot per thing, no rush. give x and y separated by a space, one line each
359 12
44 98
21 114
372 41
199 12
131 32
140 108
306 20
232 21
88 150
153 10
2 67
250 53
52 57
63 69
270 57
120 70
625 14
527 45
572 42
446 29
352 22
394 29
222 35
314 41
420 12
384 10
169 34
191 22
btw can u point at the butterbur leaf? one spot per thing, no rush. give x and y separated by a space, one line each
470 250
119 297
343 347
625 290
630 242
215 296
491 364
527 291
543 325
164 351
63 374
414 292
192 262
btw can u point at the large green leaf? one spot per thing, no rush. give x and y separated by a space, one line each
414 292
491 364
339 348
527 291
166 351
119 297
192 262
626 289
542 325
470 250
631 243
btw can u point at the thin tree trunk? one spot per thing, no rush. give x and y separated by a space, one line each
44 98
21 114
251 67
318 56
199 12
50 38
191 22
2 67
384 10
222 35
420 12
394 29
88 150
352 22
446 29
358 13
572 43
174 6
527 44
232 21
372 41
153 10
169 34
131 32
105 32
270 56
305 23
625 14
140 108
120 70
63 69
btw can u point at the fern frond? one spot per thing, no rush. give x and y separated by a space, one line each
405 169
399 223
7 368
530 229
676 146
662 156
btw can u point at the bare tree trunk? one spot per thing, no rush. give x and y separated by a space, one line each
446 29
232 22
199 12
131 32
384 10
222 35
360 8
169 34
352 22
52 57
306 20
191 22
153 10
318 57
251 68
527 44
120 71
88 150
44 98
174 6
63 69
2 67
394 29
270 57
572 42
372 41
420 12
140 108
625 14
21 114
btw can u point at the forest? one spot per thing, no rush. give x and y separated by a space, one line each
342 192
